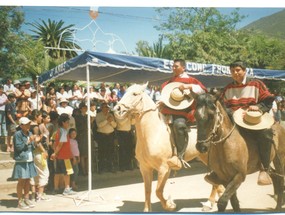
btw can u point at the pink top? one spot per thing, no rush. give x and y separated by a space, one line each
74 148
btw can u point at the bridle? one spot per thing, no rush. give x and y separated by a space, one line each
133 106
214 133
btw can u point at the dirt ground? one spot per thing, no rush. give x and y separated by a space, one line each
124 192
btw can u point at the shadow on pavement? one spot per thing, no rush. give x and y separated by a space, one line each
134 176
9 203
130 206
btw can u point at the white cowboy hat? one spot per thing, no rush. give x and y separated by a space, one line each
253 120
63 100
174 98
24 121
17 82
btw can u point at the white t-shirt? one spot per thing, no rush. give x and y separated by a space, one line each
33 102
3 99
63 135
67 109
8 88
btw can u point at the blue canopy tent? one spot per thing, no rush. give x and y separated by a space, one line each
105 67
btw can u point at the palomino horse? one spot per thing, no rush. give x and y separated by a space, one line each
230 155
154 144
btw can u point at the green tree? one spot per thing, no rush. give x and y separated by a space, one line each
205 35
262 51
190 20
56 35
144 49
158 49
36 59
20 55
200 34
10 39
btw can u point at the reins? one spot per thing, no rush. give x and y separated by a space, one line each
213 134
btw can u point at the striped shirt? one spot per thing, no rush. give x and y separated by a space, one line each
251 92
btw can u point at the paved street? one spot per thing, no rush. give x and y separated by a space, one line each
124 192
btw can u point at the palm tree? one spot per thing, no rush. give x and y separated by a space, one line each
158 49
53 34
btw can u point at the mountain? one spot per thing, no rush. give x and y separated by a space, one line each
273 25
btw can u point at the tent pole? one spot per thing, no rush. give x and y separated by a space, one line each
89 129
37 88
89 140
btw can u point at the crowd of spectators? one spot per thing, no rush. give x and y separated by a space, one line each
278 108
58 115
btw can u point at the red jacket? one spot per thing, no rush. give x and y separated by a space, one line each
188 113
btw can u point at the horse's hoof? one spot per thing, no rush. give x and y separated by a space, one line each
207 206
170 205
146 210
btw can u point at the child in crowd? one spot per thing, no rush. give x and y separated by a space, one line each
24 168
10 110
62 155
39 182
76 157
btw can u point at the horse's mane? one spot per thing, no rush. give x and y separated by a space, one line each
140 89
206 100
135 88
212 102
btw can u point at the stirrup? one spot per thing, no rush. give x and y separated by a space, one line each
185 164
264 178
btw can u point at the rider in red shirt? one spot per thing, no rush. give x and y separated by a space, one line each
180 116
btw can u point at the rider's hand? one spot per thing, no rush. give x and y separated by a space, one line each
159 104
253 108
183 87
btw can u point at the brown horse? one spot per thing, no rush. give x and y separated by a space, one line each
230 155
154 142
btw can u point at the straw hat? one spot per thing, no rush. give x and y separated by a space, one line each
253 120
174 98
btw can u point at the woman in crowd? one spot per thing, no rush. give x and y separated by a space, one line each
22 95
75 96
50 105
51 94
82 136
61 94
106 125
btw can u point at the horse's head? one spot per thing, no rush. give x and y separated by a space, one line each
132 101
206 118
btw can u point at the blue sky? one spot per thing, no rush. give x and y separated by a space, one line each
127 24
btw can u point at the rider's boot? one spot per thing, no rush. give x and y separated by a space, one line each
180 131
264 148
